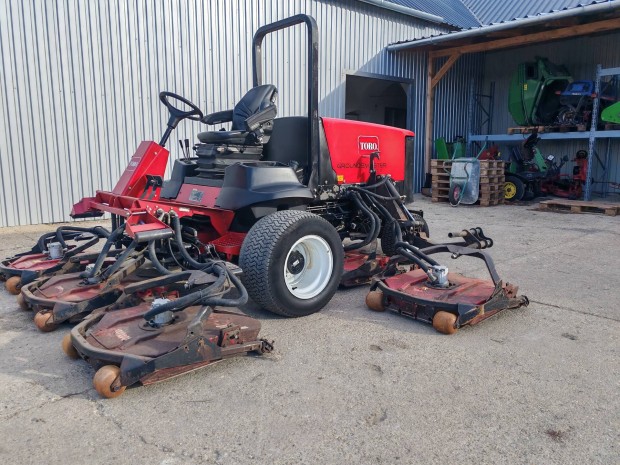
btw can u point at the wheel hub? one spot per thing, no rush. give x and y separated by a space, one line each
510 190
308 267
295 263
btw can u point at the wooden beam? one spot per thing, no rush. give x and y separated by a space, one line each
545 36
444 69
428 123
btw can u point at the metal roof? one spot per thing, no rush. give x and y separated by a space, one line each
572 10
454 12
494 11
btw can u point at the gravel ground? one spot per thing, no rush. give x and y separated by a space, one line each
537 385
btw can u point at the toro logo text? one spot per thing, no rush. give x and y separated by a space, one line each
367 144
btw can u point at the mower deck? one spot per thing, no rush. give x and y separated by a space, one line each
198 337
70 296
473 300
448 306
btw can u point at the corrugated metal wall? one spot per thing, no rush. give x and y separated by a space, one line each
79 80
580 56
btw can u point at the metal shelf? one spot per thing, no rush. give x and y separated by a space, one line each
591 136
614 134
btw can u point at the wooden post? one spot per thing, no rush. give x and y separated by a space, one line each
430 103
432 80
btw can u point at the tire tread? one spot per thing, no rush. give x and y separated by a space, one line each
258 249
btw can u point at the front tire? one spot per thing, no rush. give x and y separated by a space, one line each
514 189
292 262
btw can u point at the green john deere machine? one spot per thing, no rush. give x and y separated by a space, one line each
532 99
611 114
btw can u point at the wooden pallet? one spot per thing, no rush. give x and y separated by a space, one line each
579 206
566 128
551 128
491 181
525 129
491 198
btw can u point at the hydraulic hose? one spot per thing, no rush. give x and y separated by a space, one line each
412 253
367 202
155 261
375 222
207 296
388 219
119 261
41 242
377 196
104 251
377 184
187 300
176 227
241 300
414 250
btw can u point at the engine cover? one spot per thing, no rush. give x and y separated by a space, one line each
351 143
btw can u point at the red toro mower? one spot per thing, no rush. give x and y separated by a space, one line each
429 292
292 201
277 196
158 330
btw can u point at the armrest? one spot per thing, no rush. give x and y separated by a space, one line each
255 121
218 117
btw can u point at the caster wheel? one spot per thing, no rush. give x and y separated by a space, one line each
107 382
22 302
67 347
444 322
13 285
374 301
43 321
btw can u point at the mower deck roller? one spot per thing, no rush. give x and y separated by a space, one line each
158 339
432 294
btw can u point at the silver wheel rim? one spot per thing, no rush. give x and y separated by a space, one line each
308 267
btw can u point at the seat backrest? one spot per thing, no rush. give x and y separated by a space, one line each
289 141
255 100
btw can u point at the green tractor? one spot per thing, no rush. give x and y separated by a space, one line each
526 171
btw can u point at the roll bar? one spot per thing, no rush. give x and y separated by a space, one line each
313 73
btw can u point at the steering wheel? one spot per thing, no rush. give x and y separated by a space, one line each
195 114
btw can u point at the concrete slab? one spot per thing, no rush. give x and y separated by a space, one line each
347 385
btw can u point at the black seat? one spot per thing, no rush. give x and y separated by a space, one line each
252 119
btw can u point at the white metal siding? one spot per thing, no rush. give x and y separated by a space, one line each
80 80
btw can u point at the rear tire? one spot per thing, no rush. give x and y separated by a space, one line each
292 262
513 189
388 238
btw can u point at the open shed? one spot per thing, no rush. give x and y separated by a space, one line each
578 36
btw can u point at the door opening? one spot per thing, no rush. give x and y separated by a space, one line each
375 100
